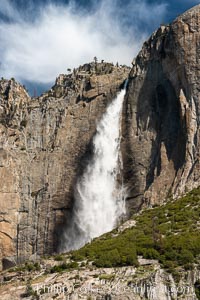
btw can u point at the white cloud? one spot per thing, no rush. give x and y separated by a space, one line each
63 37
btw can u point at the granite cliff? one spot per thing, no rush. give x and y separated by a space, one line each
44 142
161 135
164 266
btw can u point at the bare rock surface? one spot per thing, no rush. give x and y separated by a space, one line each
44 145
148 281
45 142
161 134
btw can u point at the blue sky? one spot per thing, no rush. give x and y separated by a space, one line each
42 38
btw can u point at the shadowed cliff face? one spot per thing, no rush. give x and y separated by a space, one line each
44 143
161 114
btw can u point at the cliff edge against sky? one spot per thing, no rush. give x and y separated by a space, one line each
161 135
45 141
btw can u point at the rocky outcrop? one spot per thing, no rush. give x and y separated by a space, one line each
148 281
44 143
161 134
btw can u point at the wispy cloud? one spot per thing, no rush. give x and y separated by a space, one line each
37 46
7 10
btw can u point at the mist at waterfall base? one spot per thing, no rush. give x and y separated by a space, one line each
99 197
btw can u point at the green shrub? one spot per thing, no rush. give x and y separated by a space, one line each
63 267
31 267
58 257
151 254
185 257
77 257
168 233
107 277
72 265
108 259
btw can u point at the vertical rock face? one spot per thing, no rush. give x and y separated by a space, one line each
161 135
44 143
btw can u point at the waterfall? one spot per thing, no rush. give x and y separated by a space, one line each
99 197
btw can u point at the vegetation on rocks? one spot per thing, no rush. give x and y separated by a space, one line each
169 233
28 266
64 267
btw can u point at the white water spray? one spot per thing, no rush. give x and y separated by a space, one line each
99 198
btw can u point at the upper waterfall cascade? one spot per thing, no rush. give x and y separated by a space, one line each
99 197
